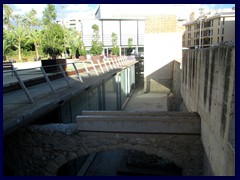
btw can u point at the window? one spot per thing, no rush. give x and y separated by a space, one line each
218 31
222 30
222 38
189 28
219 20
211 40
218 40
223 21
189 35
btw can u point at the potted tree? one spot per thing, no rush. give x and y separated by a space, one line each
130 49
53 46
82 51
115 48
72 41
97 46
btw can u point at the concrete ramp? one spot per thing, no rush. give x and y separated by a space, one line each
139 122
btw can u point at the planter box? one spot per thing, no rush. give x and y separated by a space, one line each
95 58
53 69
82 58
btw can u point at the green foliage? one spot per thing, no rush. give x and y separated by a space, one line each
130 42
82 50
73 40
49 15
9 42
97 46
115 49
7 15
53 40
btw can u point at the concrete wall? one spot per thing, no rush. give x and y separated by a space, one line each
43 149
208 87
162 45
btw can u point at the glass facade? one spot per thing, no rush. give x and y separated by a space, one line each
110 95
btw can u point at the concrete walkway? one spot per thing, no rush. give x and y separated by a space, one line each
107 163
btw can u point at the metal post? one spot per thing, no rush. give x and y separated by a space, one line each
79 77
116 61
109 63
100 66
94 67
104 61
119 61
64 74
86 69
23 87
111 59
47 79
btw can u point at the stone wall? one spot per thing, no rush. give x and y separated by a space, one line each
208 87
43 149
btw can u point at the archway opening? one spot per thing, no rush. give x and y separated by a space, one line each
120 163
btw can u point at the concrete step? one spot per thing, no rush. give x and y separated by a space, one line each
140 124
141 113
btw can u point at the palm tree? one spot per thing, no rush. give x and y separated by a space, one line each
32 23
7 14
19 31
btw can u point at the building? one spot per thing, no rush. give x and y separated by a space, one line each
125 20
71 23
211 28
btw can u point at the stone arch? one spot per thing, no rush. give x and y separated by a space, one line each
178 152
43 149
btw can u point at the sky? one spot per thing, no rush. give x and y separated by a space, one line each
85 10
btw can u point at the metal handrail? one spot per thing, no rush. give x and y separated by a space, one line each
119 61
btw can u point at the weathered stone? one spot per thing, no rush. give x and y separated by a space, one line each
60 160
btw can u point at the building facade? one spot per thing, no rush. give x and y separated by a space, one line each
125 20
210 29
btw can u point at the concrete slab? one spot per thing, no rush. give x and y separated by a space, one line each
141 101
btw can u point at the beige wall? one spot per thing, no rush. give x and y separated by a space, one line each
162 45
208 87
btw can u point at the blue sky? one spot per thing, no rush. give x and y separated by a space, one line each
85 10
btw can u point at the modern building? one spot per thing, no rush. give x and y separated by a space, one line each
125 20
209 29
71 23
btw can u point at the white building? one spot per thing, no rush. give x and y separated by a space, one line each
216 27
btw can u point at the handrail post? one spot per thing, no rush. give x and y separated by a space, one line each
64 74
119 61
47 79
86 69
104 61
79 77
109 63
23 86
113 63
100 66
94 67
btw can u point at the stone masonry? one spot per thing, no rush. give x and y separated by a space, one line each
43 149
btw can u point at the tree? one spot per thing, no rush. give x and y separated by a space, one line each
97 46
130 43
82 49
7 15
115 49
49 15
33 29
19 32
73 40
53 40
